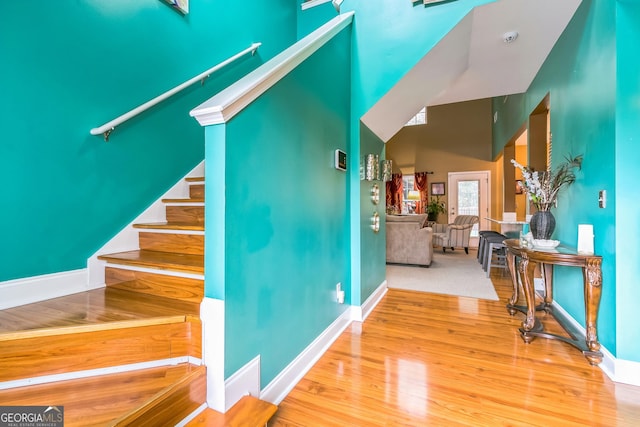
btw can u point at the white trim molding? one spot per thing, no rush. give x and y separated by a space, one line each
625 371
360 314
618 370
245 381
284 382
18 292
312 3
229 102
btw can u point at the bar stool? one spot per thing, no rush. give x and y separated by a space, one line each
494 254
482 243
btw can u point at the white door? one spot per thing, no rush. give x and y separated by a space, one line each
469 194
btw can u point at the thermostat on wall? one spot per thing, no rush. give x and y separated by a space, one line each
341 160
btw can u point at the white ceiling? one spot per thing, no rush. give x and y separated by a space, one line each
473 61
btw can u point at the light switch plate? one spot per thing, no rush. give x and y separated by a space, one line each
602 198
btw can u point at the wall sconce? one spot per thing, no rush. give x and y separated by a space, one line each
375 194
371 167
387 169
375 222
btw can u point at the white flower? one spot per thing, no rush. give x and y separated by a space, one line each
542 187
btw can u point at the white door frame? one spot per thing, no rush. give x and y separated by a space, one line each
484 210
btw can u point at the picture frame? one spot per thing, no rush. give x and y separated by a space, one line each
519 187
437 188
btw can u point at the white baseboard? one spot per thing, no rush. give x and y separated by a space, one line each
618 370
626 372
244 381
284 382
18 292
360 314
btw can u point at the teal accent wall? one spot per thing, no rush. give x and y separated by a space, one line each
314 17
372 245
592 113
68 67
627 153
215 212
286 215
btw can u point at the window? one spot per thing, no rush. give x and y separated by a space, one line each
409 194
419 119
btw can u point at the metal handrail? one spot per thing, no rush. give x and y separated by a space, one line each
108 127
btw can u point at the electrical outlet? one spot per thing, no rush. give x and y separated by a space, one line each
339 293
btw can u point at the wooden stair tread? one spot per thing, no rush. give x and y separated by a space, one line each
170 226
249 411
158 260
195 179
115 398
191 200
91 308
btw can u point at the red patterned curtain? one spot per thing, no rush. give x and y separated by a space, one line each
394 192
421 185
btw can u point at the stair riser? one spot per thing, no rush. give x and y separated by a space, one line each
171 406
185 214
114 399
166 261
58 354
187 292
168 242
196 191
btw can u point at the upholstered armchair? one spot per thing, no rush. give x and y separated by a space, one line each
456 234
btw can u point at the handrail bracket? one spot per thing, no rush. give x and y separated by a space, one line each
107 133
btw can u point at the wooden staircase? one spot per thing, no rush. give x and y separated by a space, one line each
125 354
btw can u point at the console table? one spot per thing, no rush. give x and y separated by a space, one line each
523 272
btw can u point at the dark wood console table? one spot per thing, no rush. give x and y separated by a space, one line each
523 273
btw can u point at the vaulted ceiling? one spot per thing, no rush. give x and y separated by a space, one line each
476 59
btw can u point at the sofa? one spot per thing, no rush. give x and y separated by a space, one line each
408 240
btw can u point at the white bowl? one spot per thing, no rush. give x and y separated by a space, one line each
545 244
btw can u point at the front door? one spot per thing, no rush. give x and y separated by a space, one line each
469 194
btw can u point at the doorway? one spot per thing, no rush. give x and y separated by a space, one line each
469 194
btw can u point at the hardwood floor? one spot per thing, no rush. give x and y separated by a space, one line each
427 359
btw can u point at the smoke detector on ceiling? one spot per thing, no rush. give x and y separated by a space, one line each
510 36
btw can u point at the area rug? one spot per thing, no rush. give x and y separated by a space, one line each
451 273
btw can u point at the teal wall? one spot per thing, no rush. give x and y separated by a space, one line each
312 18
372 245
587 106
627 151
286 213
70 66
